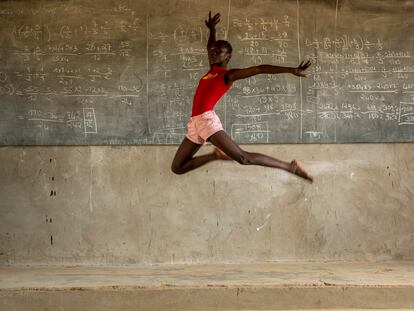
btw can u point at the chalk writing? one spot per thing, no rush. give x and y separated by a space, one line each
89 120
252 132
51 120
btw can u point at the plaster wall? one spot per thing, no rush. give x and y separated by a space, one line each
102 205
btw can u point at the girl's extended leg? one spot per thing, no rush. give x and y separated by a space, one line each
185 161
223 141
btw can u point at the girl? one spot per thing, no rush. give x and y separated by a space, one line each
204 125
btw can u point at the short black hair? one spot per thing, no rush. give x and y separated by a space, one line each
225 44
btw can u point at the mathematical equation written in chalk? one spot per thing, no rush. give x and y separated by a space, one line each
83 120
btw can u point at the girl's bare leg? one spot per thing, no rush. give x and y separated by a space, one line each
223 141
185 161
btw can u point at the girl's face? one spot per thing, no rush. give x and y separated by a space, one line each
219 54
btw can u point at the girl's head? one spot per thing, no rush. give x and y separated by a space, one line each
225 44
220 53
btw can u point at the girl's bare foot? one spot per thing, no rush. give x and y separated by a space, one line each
221 155
298 170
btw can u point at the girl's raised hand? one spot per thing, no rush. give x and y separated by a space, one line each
212 22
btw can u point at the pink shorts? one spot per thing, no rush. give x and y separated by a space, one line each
201 127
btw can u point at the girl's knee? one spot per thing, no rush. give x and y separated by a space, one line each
176 169
244 158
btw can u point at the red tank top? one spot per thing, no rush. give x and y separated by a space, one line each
210 89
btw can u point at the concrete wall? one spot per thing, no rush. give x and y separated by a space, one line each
122 205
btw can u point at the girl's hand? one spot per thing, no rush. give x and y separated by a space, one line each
300 71
212 22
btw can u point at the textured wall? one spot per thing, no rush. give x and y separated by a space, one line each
122 205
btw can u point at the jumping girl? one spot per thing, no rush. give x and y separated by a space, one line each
204 124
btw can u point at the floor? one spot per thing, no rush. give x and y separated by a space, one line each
272 286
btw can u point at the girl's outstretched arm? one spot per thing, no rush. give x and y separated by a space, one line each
237 74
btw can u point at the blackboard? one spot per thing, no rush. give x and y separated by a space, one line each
124 72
